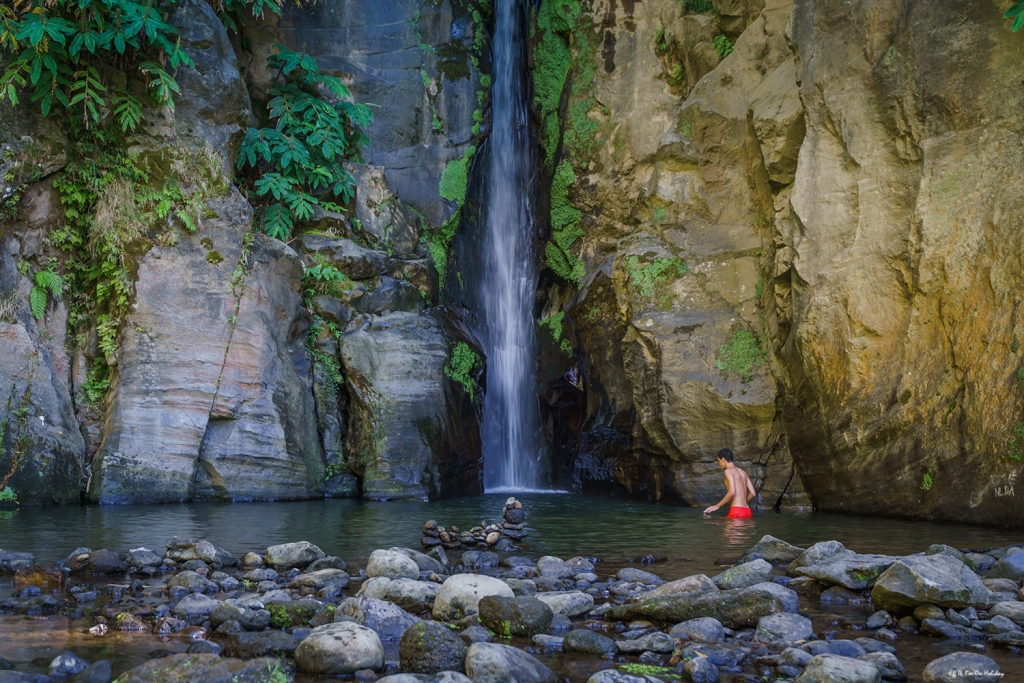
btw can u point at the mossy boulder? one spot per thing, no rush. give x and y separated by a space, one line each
739 608
522 616
429 647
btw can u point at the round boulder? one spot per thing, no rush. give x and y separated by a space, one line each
428 647
288 555
951 668
783 629
699 630
514 616
340 648
493 663
836 669
391 565
555 568
583 641
460 594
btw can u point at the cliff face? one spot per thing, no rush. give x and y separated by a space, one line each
903 224
840 186
786 228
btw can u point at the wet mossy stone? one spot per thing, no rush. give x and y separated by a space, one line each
520 616
586 642
429 647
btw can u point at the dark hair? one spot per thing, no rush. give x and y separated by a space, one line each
725 454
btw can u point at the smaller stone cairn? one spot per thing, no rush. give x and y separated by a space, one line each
483 534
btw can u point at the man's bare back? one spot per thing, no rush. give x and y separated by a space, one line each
739 489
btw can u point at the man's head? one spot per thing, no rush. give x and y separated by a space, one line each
724 458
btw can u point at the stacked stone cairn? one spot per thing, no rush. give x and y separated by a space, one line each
483 534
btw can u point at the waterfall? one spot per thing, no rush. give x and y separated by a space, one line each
511 416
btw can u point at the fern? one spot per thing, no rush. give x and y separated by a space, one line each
47 282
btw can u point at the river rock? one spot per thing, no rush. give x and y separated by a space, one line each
853 571
783 629
555 568
772 550
442 677
634 574
460 594
518 616
571 604
943 549
928 611
940 628
701 670
700 630
479 559
493 663
66 664
388 620
391 565
192 581
429 647
836 669
840 648
739 608
413 596
264 644
1011 567
328 562
194 608
376 588
321 579
816 554
1011 610
889 666
143 557
880 619
938 579
652 642
184 549
340 648
201 668
583 641
289 555
617 676
249 619
11 561
522 587
426 563
744 575
693 586
98 672
949 669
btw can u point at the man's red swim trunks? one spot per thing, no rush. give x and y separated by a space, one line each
739 513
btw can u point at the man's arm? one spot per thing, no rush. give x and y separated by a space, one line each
728 496
751 491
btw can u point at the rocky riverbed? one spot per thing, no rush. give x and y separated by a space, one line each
196 612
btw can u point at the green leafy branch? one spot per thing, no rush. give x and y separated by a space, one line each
303 154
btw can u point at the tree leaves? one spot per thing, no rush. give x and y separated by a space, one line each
1016 12
308 144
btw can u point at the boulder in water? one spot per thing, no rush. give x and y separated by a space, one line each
493 663
392 565
836 669
340 648
429 647
783 629
739 608
517 616
743 575
938 579
289 555
571 604
460 594
853 571
387 620
949 669
199 668
772 550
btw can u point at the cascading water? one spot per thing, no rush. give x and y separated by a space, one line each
511 417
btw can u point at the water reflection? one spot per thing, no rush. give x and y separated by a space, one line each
565 525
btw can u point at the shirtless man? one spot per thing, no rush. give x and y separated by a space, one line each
737 483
